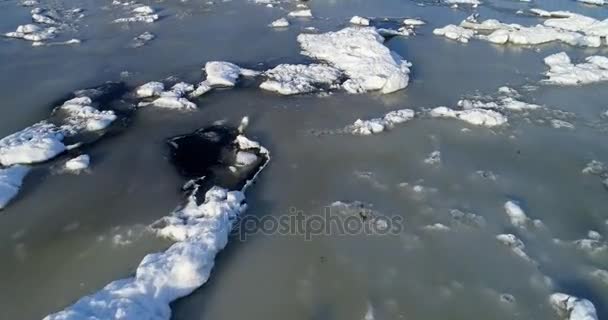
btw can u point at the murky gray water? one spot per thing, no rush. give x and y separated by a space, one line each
66 236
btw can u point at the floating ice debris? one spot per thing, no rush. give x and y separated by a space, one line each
359 21
280 23
150 89
221 73
360 53
563 72
573 308
142 39
433 158
413 22
11 179
81 116
558 124
515 244
200 227
32 32
436 227
288 79
201 89
454 32
377 125
594 2
79 163
29 3
43 19
173 100
566 27
37 143
516 214
467 219
474 3
594 167
305 13
140 14
475 116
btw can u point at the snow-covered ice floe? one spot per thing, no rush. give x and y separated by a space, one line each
360 53
11 179
200 228
516 214
475 116
46 25
573 29
280 23
78 164
222 73
359 21
563 72
516 245
573 308
288 79
377 125
304 13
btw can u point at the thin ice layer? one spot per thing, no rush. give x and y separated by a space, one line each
361 54
288 79
11 179
562 71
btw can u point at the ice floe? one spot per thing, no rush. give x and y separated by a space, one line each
516 214
46 25
11 179
563 72
304 13
288 79
140 14
359 21
570 28
81 116
434 158
377 125
150 89
594 2
222 73
515 244
36 143
475 116
280 23
142 39
361 54
200 229
78 164
573 308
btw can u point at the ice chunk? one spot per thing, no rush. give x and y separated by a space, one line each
475 116
33 33
433 158
290 79
305 13
244 158
377 125
516 214
79 163
471 2
454 32
413 22
150 89
573 308
563 72
280 23
359 21
37 143
221 73
360 53
515 244
83 117
11 179
594 2
140 14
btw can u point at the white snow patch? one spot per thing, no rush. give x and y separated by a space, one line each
11 179
360 53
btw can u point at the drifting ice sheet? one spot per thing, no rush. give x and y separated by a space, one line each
290 79
361 54
377 125
37 143
10 183
562 71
